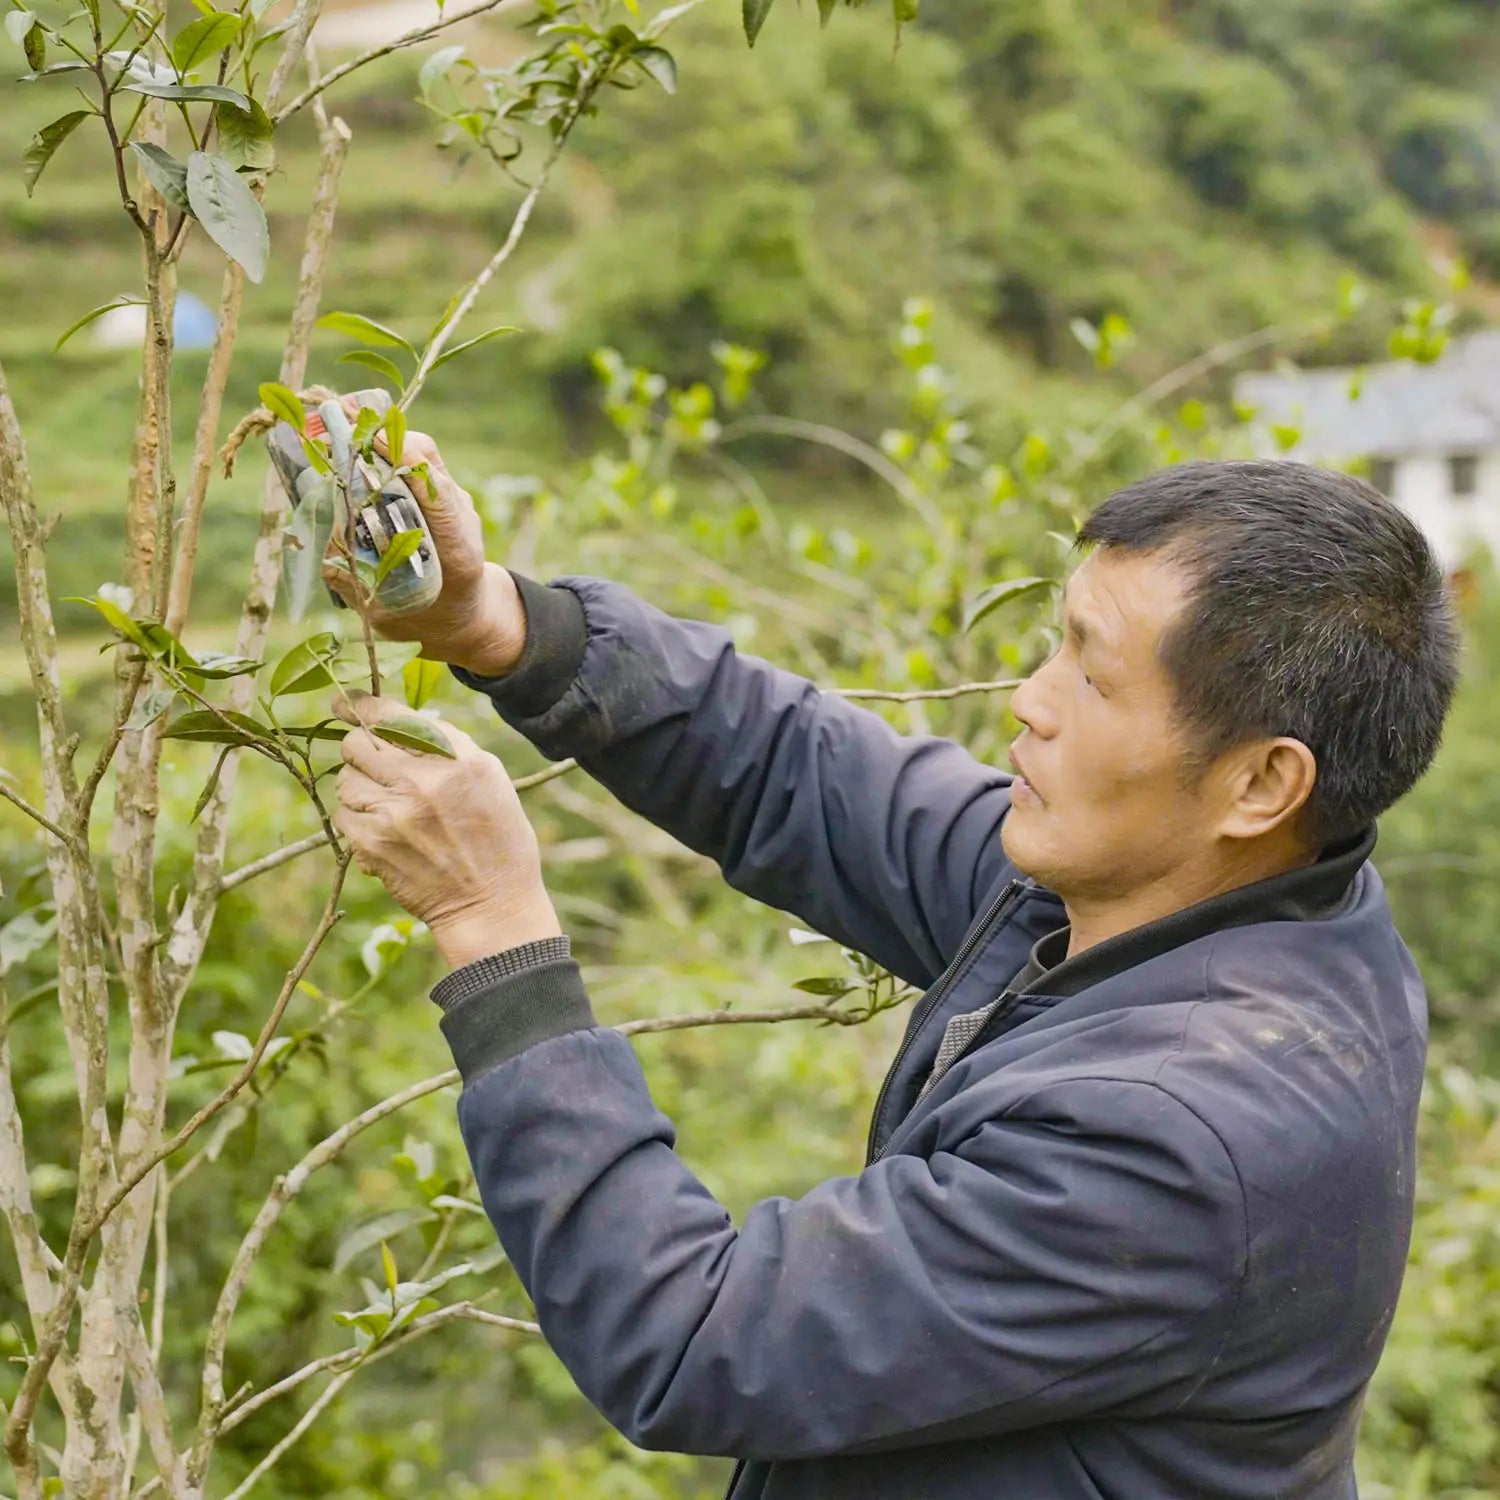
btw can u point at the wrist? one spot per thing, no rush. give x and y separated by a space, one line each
493 647
487 930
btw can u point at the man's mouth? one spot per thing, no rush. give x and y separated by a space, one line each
1022 792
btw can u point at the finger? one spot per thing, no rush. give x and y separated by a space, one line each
381 762
358 792
360 835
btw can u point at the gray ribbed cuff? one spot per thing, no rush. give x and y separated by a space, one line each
483 972
514 1013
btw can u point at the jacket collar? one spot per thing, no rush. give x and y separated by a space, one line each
1301 895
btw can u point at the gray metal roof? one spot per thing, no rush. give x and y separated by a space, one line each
1451 406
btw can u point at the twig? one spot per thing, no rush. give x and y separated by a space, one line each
202 1116
299 29
36 1259
439 1318
841 442
1175 380
587 87
539 778
272 861
824 1010
16 800
283 1190
311 1415
231 297
418 34
190 931
930 693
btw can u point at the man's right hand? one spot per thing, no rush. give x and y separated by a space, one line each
478 620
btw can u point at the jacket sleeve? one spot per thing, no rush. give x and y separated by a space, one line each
1059 1264
807 802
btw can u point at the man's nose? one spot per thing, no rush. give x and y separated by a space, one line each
1030 703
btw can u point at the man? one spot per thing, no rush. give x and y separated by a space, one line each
1139 1186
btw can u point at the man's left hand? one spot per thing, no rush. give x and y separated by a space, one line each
447 838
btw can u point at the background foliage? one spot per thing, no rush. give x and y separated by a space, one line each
1197 170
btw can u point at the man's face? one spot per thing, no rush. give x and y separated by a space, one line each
1101 811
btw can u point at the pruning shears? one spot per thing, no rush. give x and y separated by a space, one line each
378 504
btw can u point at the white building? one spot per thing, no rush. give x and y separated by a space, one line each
1431 433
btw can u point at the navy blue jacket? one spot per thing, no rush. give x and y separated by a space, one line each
1144 1239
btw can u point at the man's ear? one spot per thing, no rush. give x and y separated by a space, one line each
1268 784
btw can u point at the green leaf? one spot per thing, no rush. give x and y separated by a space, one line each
52 70
457 349
664 18
366 425
826 9
395 436
905 11
34 45
756 12
45 142
211 786
437 67
150 708
658 63
367 1236
245 136
366 330
388 1261
204 727
217 667
421 679
1002 593
97 312
285 403
18 26
327 729
187 93
225 207
306 666
377 362
201 39
312 526
117 618
317 455
165 173
403 544
412 733
826 984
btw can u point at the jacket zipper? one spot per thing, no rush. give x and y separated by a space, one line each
945 982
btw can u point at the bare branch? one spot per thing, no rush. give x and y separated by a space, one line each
588 86
406 39
539 778
842 442
311 1415
299 29
824 1010
37 1261
1216 358
231 297
273 861
283 1190
191 929
1009 685
202 1116
457 1312
16 800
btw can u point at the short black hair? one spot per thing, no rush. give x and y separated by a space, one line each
1317 610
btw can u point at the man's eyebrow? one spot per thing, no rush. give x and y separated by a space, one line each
1074 624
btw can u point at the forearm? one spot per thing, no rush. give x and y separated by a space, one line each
806 801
